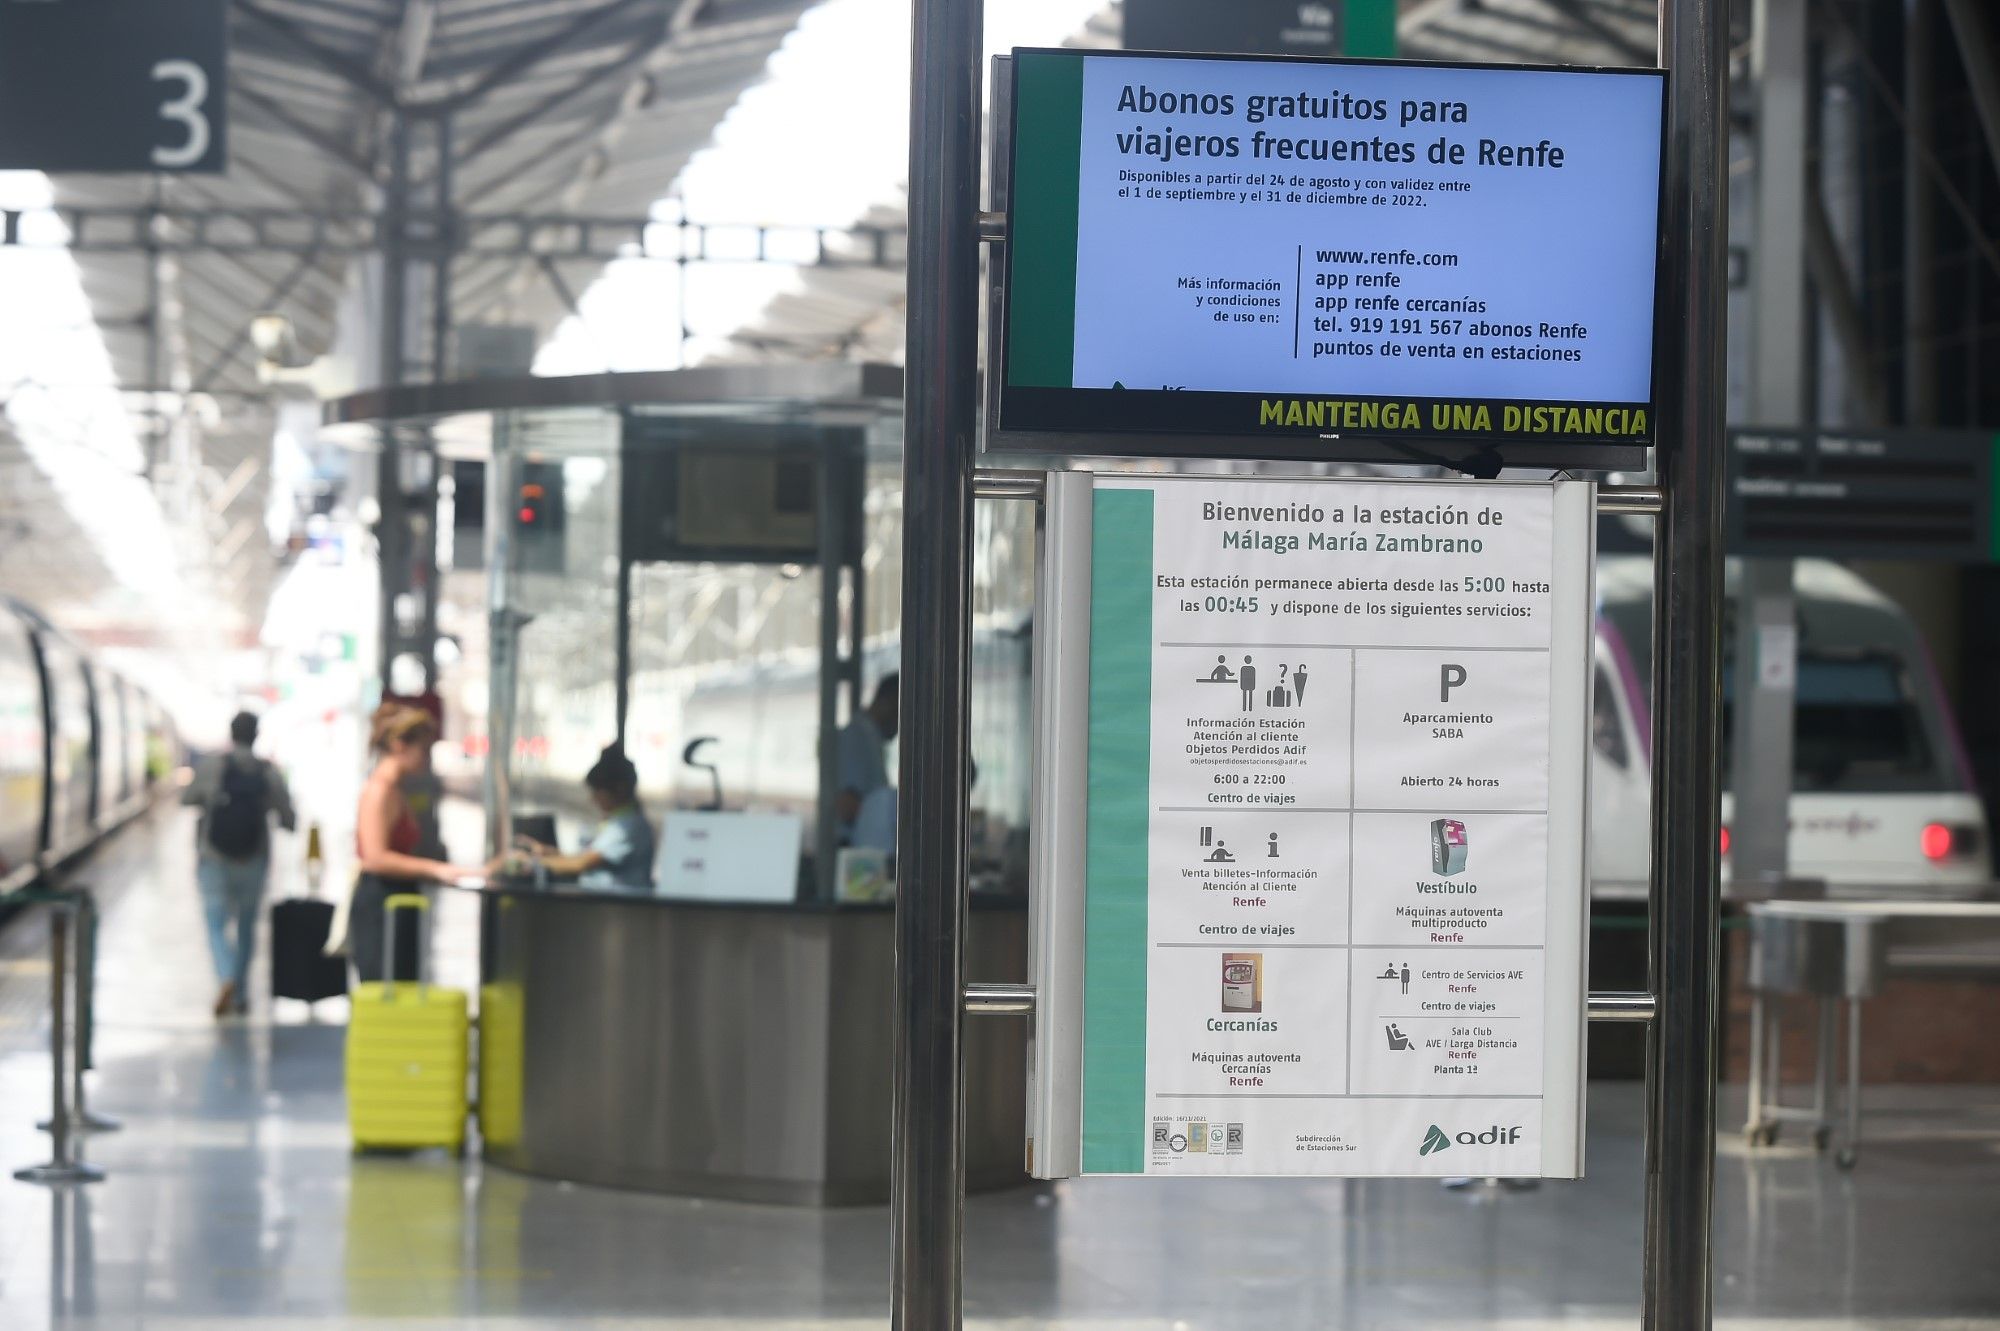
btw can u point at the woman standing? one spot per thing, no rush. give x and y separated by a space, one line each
387 835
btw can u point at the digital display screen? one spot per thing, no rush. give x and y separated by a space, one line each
1323 250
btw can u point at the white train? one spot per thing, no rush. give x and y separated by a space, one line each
80 749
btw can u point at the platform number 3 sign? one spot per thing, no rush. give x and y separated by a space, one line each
186 108
113 85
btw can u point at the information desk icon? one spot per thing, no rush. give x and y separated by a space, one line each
1448 846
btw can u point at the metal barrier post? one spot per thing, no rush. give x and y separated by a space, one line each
63 1167
941 394
1687 582
83 1042
86 1016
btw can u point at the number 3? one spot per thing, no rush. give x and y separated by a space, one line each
185 108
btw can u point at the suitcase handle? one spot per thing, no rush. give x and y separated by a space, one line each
392 903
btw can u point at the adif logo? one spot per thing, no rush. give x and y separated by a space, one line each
1435 1140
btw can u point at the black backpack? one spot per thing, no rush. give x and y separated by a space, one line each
236 814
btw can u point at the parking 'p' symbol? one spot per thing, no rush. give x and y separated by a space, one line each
1449 678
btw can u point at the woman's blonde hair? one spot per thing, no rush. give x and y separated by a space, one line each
395 722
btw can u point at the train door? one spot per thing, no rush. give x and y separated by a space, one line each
23 754
72 772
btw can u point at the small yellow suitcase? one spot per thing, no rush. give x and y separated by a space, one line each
406 1054
502 1029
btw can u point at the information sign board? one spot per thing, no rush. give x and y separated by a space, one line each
113 85
1865 494
1303 254
1322 781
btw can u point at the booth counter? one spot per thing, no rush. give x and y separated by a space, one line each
702 566
721 1050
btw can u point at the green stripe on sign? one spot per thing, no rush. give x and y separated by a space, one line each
1120 817
1993 503
1041 293
1368 28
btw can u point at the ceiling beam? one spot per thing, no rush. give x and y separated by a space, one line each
534 53
357 74
307 132
636 53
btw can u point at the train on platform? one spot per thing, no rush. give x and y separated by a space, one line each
82 750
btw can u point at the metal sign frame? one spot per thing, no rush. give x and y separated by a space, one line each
932 998
1058 892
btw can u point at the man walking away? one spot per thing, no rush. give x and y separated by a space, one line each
238 793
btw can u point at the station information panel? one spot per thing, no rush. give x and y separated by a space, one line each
1865 494
1295 250
1312 762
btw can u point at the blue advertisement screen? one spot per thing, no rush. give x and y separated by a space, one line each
1327 249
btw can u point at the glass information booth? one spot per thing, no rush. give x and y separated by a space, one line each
703 565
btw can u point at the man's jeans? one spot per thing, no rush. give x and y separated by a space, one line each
231 894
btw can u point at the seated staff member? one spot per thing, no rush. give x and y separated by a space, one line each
863 760
620 853
387 835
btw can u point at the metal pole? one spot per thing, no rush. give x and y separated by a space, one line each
444 237
86 1014
392 526
941 401
622 625
503 636
832 540
63 1167
83 950
1920 291
1680 1117
1766 607
855 556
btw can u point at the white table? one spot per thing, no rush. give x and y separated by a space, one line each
1839 952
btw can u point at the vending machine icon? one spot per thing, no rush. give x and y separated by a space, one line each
1448 846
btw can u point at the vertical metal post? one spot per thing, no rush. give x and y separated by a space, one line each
83 948
832 526
444 239
393 527
622 625
1681 1045
63 1166
155 349
941 402
1766 608
623 645
503 635
855 557
1920 377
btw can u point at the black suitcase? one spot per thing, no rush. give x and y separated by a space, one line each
300 967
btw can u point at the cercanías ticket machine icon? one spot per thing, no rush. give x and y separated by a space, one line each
1448 846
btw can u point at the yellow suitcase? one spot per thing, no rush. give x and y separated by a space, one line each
502 1029
406 1055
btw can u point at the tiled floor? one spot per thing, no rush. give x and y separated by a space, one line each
233 1203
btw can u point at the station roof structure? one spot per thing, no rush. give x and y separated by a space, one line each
557 108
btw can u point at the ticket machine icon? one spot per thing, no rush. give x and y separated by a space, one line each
1448 846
